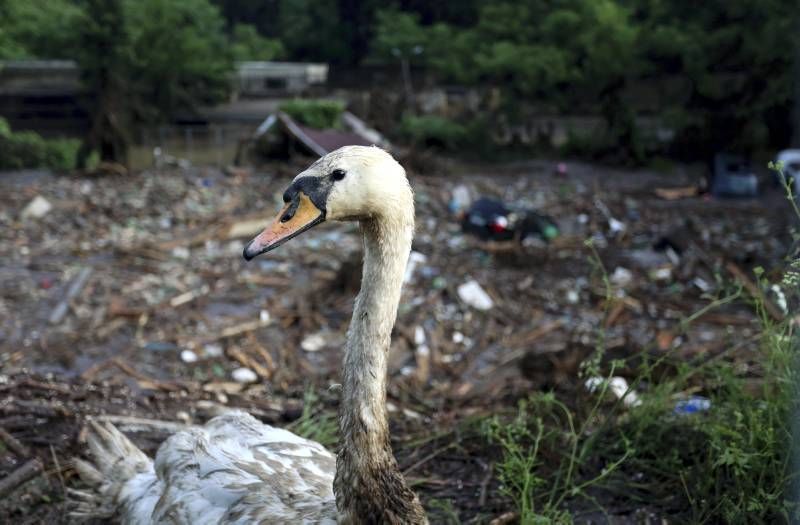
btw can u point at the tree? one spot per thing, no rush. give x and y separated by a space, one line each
38 28
144 61
248 44
179 57
104 58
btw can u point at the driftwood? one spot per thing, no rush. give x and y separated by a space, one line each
19 477
14 445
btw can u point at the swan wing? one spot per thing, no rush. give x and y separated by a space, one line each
235 469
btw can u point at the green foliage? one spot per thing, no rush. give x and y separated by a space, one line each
313 30
248 44
316 423
431 131
708 65
26 149
315 113
177 56
398 34
38 28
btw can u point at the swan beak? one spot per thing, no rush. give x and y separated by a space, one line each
296 217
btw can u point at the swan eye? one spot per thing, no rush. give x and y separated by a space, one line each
338 174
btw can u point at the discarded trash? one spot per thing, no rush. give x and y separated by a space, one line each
661 274
621 277
37 208
780 298
75 288
414 260
244 375
789 173
618 386
264 316
471 293
672 194
460 199
313 342
561 168
160 346
187 356
573 297
419 335
212 350
614 226
692 405
490 219
733 177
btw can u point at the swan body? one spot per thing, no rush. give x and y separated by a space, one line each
236 470
232 470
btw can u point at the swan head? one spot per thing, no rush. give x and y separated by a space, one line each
353 183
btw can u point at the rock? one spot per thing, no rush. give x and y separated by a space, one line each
37 208
244 375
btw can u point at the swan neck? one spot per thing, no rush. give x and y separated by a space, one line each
368 484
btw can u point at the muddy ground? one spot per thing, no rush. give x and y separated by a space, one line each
165 309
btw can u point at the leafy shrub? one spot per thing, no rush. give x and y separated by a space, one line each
315 113
433 132
27 149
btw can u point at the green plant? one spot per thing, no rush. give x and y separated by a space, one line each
432 131
539 487
315 422
27 149
315 113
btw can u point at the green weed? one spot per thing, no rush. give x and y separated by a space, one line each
316 422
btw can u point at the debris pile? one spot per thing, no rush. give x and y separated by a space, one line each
127 296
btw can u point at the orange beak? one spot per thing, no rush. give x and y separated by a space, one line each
296 217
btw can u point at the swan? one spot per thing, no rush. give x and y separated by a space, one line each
236 470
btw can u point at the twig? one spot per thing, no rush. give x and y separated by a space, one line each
249 362
428 458
189 296
136 424
13 443
506 517
128 369
58 470
58 313
20 476
485 485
